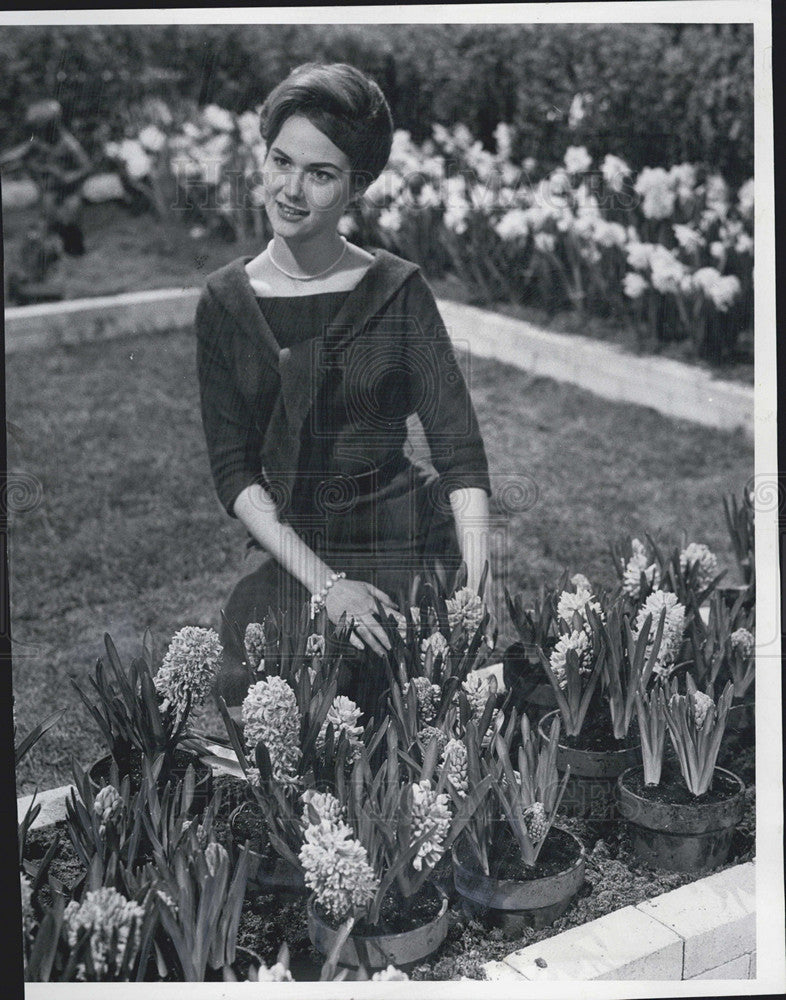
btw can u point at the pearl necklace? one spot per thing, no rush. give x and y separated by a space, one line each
305 277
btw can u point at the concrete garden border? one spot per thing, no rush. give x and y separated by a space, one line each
674 389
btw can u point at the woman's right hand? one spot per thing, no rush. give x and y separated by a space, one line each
358 600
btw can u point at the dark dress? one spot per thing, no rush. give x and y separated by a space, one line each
328 441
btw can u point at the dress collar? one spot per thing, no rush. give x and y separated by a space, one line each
383 278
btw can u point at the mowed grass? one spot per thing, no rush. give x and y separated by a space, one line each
129 533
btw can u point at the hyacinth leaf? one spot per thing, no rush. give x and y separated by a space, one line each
45 946
117 668
551 815
148 649
263 763
525 772
508 799
488 709
233 731
232 906
33 810
430 760
377 735
150 701
36 733
562 701
37 879
81 953
483 578
328 971
101 720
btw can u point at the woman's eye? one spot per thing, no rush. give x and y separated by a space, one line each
279 161
322 176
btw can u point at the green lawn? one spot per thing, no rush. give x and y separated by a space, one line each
130 534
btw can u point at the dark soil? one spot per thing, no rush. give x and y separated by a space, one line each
100 770
672 788
596 736
558 853
65 865
397 915
248 827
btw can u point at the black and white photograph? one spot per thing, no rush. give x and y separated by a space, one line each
391 503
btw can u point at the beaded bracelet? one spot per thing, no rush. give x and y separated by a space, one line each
318 599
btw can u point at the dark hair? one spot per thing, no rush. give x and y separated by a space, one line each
344 104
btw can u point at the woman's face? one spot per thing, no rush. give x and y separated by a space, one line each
307 181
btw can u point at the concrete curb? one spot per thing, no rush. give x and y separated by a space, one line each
704 930
674 389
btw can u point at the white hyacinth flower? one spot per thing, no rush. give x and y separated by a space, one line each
108 807
742 642
701 704
673 627
325 804
189 668
454 762
336 869
343 715
465 608
637 564
430 814
106 912
707 561
270 715
255 644
428 696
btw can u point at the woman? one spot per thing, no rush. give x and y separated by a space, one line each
311 357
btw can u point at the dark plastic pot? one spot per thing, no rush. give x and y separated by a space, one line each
273 876
690 837
99 772
590 792
512 904
377 951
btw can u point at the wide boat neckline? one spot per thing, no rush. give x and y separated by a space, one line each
342 291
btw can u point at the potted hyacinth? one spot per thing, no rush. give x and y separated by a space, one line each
598 663
511 861
369 853
296 734
144 713
724 649
682 818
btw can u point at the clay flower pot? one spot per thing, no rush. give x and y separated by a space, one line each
590 792
377 951
100 770
513 904
682 837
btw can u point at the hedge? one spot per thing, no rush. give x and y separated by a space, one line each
655 94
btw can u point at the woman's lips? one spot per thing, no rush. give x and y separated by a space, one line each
288 212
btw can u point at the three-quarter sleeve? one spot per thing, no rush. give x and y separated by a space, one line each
232 431
439 393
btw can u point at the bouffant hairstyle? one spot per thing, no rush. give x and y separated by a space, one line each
344 104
